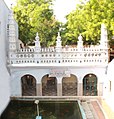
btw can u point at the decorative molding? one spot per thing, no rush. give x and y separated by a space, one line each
59 73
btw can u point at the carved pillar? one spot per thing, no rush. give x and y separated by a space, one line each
39 89
59 89
80 89
59 86
100 90
59 74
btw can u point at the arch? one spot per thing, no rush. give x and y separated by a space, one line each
49 86
69 86
28 84
90 85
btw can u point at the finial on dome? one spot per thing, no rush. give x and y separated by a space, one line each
58 34
11 14
37 43
58 42
104 36
11 6
80 37
58 37
103 25
37 37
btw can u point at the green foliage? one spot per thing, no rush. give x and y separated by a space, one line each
87 19
36 16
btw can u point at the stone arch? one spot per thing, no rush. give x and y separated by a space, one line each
49 86
28 84
90 85
69 86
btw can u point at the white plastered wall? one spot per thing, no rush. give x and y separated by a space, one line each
4 75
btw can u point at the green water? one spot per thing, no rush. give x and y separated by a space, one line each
48 110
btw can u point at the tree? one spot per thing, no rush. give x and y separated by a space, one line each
36 16
87 19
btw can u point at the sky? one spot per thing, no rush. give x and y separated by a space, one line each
61 7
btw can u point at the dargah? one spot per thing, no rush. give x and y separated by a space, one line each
59 77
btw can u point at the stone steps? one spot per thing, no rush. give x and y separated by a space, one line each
92 110
87 109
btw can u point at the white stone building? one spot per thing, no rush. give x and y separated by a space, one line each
54 71
4 74
57 71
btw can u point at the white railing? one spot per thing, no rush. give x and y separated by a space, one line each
59 61
86 56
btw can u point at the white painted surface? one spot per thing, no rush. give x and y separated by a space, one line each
80 67
38 73
4 75
109 88
80 60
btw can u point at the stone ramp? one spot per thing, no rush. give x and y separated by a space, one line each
87 110
98 110
93 110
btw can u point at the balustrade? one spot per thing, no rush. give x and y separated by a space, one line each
69 55
75 55
26 50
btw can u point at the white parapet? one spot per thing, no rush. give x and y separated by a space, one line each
59 55
66 56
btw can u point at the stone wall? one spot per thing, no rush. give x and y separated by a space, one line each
4 75
38 73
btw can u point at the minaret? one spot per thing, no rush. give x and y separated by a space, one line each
11 32
104 37
80 42
58 43
37 43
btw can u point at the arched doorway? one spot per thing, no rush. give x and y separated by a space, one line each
90 85
69 86
28 85
49 86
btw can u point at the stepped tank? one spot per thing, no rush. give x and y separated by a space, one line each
18 109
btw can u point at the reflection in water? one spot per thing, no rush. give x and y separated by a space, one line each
48 110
